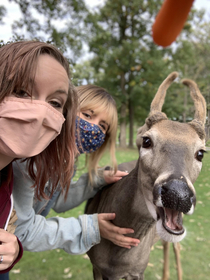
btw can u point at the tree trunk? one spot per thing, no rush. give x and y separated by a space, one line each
208 120
131 118
123 126
184 115
123 108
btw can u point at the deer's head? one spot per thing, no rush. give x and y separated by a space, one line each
170 161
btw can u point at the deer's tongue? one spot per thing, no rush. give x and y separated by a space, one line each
172 221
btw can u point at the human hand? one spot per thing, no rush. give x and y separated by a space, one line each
9 249
110 177
115 234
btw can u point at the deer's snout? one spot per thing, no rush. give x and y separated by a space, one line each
176 195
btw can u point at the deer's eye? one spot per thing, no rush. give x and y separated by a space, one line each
199 155
147 142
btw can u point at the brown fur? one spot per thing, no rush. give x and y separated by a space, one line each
160 185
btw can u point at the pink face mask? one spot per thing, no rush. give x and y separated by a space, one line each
27 126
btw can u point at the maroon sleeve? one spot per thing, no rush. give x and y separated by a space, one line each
17 260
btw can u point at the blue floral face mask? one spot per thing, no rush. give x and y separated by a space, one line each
91 137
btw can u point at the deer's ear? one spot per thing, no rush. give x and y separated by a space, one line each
198 126
140 133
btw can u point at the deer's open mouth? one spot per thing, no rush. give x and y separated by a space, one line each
172 220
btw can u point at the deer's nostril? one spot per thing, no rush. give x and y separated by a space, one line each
163 190
193 200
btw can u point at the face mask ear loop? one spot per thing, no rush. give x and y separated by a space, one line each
78 135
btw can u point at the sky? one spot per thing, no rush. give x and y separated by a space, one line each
13 12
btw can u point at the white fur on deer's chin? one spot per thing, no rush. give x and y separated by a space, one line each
163 234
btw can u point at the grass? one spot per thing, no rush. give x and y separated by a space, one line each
195 248
208 143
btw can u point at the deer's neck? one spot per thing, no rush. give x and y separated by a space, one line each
130 206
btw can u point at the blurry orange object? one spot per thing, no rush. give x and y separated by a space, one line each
170 21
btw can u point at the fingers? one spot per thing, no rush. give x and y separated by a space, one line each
111 177
111 227
121 231
9 249
117 174
6 236
115 234
107 216
121 173
6 257
115 179
126 242
118 235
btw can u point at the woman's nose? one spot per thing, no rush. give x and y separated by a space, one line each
95 121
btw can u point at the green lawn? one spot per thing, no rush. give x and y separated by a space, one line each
195 253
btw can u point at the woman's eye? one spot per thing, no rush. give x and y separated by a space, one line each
86 115
21 93
147 142
55 104
103 127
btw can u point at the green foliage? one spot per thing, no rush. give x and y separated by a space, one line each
125 60
131 66
122 50
84 74
2 13
59 22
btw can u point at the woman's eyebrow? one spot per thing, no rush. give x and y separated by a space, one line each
61 91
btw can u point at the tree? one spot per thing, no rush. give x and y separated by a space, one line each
192 60
120 41
84 73
2 13
126 62
132 66
201 43
56 21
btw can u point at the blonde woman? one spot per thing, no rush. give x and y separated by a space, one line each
98 107
96 127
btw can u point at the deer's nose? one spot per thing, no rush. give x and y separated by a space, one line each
176 195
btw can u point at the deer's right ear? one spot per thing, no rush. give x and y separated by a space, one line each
140 133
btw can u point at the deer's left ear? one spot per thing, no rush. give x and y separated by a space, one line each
198 126
140 132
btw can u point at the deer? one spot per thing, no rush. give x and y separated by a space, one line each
128 167
152 198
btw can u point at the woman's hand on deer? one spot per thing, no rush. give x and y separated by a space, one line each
111 177
115 234
9 249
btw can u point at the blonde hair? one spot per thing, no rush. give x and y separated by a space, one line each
99 100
